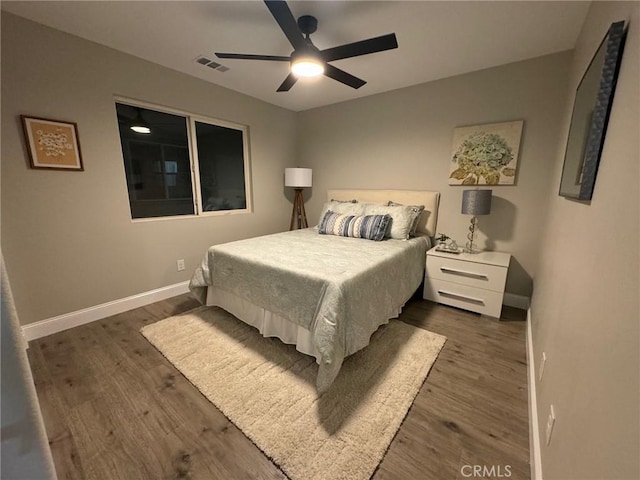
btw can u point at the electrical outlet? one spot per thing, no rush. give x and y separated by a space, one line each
180 264
551 421
543 362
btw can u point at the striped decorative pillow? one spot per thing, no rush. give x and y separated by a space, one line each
371 227
402 219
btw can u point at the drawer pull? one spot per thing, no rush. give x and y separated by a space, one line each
479 301
464 273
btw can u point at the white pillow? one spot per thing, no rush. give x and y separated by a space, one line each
345 208
416 209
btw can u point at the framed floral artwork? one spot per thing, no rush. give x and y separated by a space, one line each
52 144
486 154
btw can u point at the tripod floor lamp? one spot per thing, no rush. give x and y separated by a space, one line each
298 178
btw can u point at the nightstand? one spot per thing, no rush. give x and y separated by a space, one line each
469 281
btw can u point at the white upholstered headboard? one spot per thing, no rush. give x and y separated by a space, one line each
430 200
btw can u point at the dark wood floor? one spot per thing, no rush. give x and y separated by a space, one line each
114 408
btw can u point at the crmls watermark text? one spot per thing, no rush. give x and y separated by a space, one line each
486 471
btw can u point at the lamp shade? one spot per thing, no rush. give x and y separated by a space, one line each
297 177
476 202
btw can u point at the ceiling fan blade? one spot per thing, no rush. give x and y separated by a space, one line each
288 83
242 56
363 47
281 12
342 76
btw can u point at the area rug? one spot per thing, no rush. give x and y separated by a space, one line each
267 389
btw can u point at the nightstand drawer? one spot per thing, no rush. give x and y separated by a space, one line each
477 300
479 275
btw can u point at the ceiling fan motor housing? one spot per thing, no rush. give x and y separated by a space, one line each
309 51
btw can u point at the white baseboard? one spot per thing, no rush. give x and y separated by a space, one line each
534 433
517 301
57 324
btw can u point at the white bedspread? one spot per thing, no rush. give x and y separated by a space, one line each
340 289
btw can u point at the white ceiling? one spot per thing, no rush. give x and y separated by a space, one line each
437 39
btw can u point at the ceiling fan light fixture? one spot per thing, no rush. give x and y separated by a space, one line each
307 67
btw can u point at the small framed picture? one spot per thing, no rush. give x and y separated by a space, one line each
52 144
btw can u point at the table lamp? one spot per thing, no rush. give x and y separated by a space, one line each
298 178
475 202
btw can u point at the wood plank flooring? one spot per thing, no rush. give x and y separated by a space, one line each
115 408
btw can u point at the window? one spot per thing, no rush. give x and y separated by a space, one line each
180 164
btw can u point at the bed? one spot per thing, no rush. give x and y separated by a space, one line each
325 294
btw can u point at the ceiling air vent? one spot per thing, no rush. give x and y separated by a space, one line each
207 62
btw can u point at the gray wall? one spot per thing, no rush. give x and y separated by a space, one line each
403 139
68 239
585 312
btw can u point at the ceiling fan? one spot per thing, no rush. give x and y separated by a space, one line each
306 59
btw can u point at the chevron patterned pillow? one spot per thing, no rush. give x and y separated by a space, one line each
370 227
